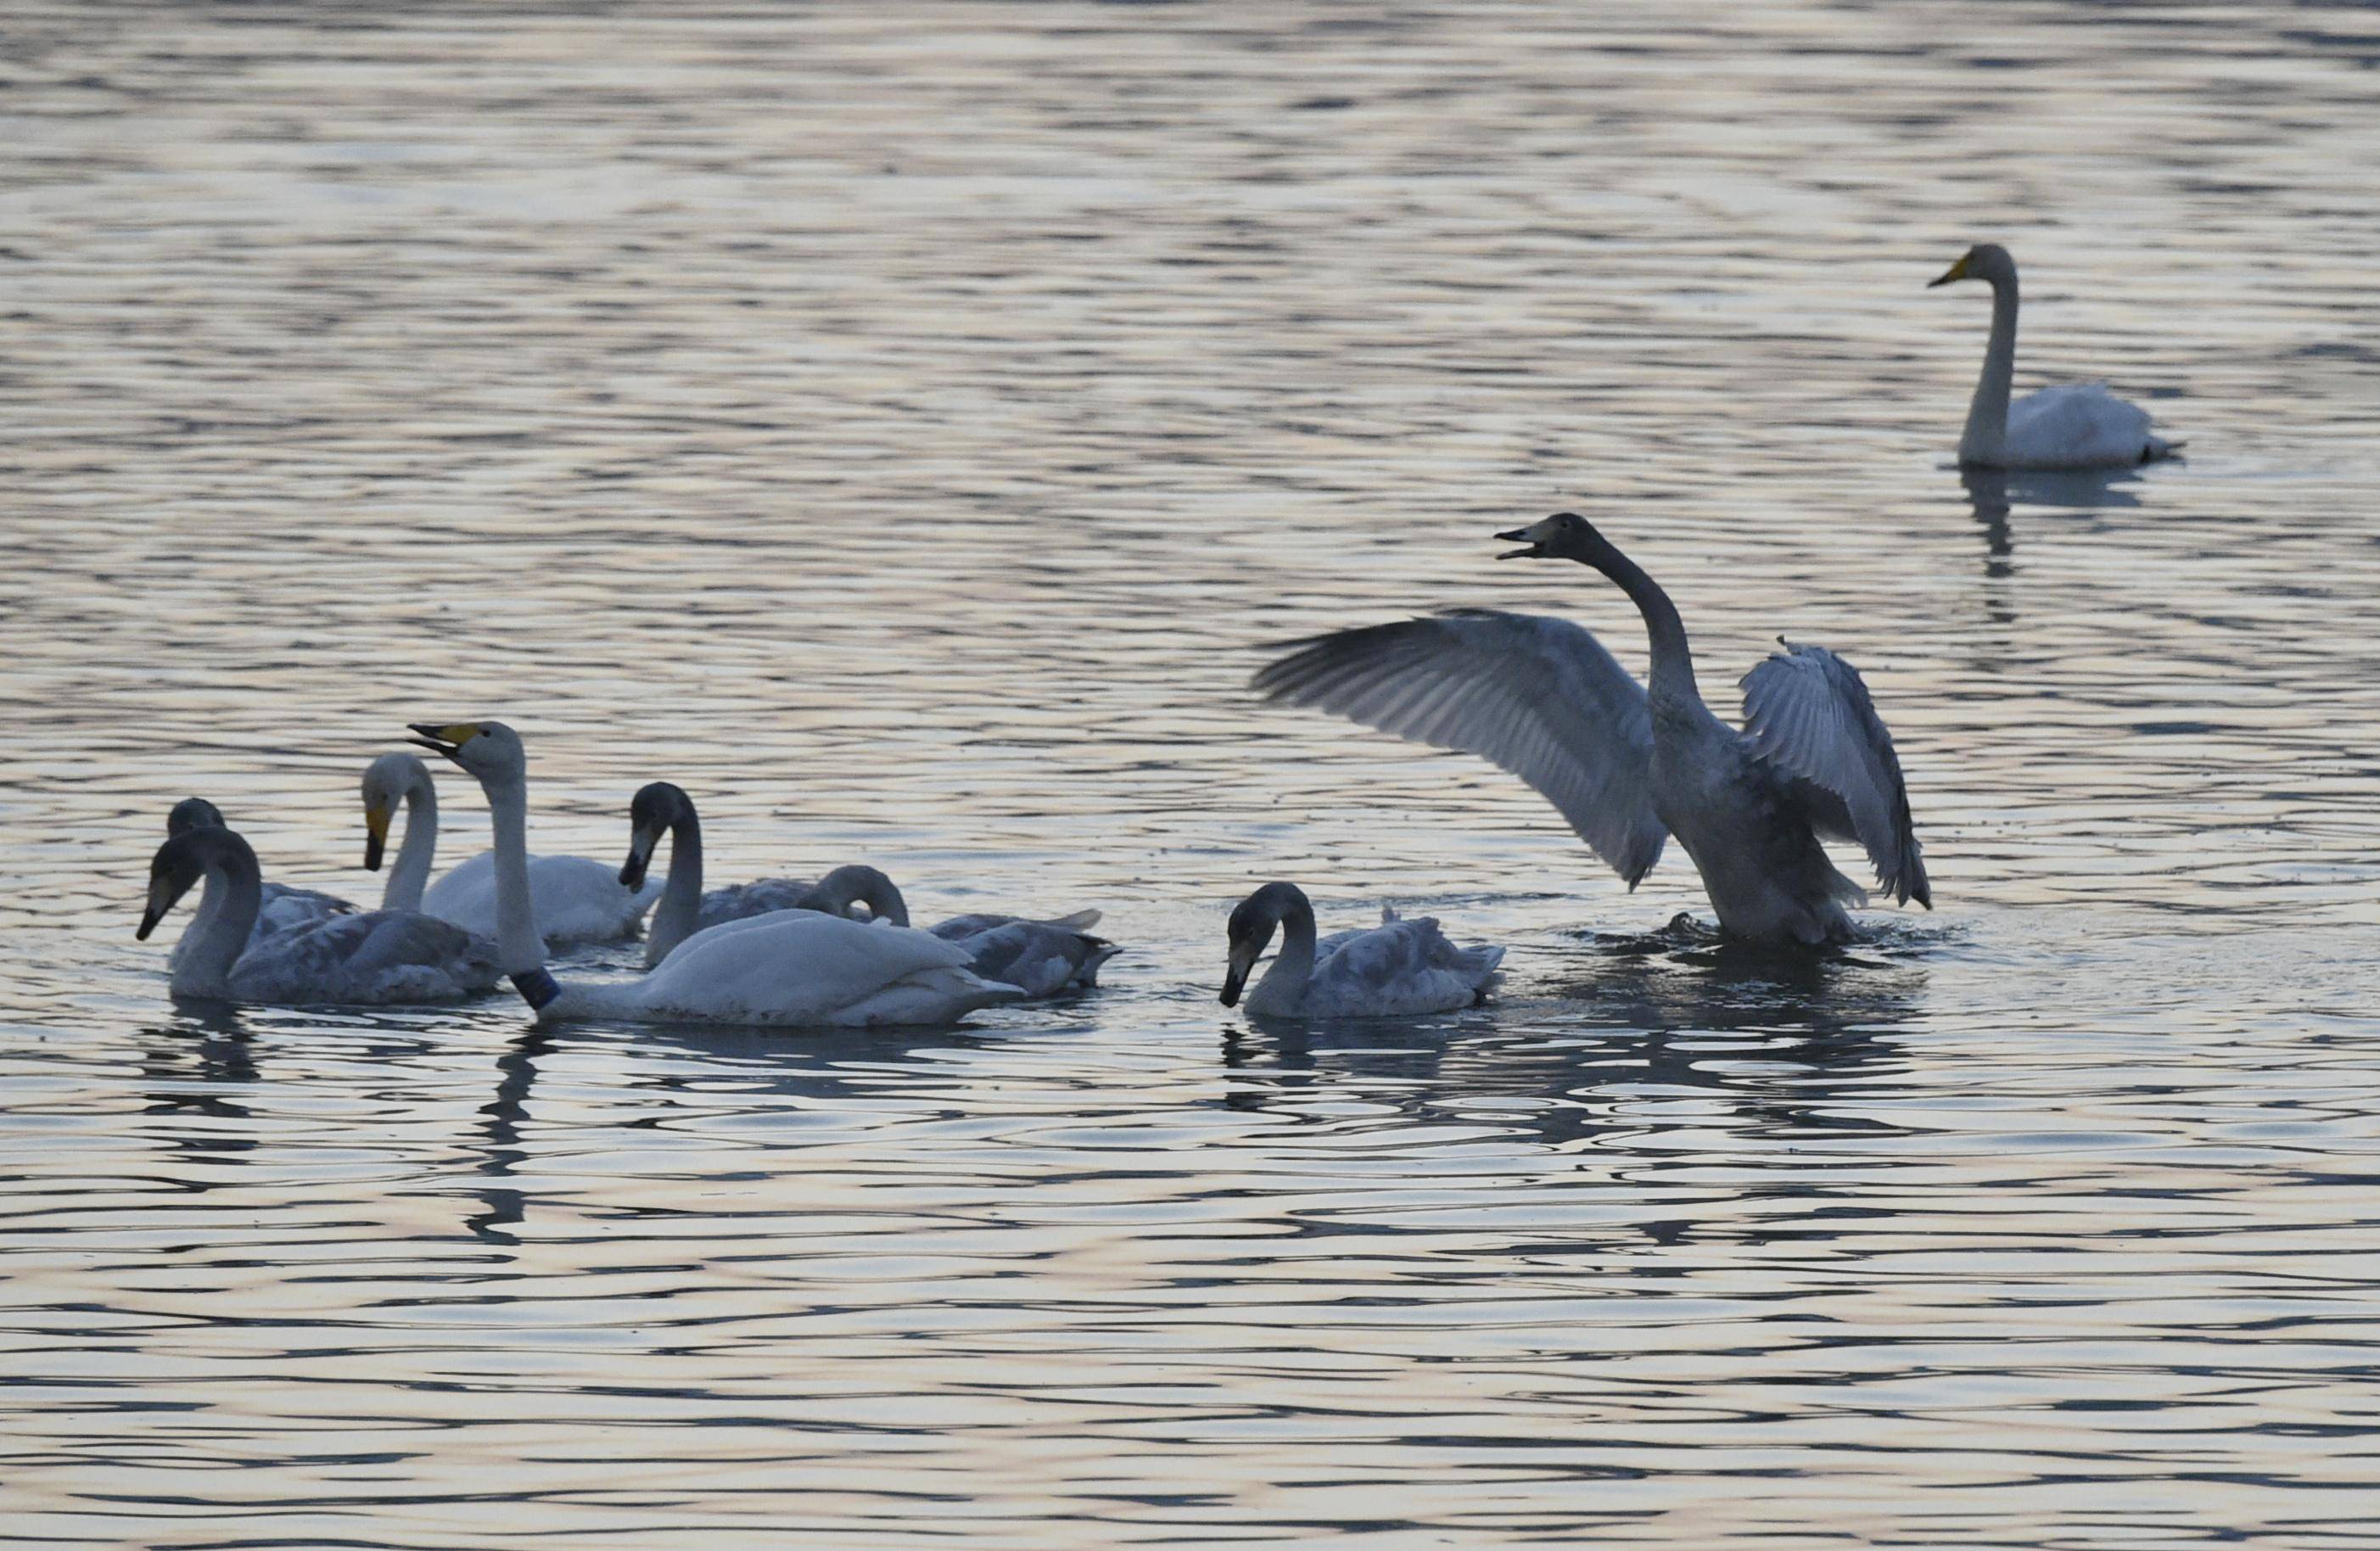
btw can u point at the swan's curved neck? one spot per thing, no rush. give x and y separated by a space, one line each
1673 661
681 903
410 873
1293 965
234 892
519 951
1986 440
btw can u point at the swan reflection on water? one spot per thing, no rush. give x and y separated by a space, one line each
1776 1038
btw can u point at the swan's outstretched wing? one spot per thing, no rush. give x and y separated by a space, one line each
1806 712
1539 696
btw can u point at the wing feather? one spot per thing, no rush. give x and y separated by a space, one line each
1806 711
1538 696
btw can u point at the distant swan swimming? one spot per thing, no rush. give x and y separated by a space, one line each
1047 958
281 908
2072 425
1396 969
1541 698
578 899
793 968
377 956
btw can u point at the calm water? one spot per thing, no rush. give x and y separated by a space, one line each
898 425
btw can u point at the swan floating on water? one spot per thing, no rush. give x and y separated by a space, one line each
1542 698
578 899
1041 958
1047 958
1397 969
793 968
281 908
2070 426
377 956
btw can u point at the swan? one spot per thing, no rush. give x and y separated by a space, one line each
281 907
795 968
1542 698
577 900
684 907
2072 425
1394 970
1046 958
375 956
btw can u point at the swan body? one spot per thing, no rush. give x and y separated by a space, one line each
281 907
370 957
791 968
2075 426
1629 765
577 899
1044 958
1397 969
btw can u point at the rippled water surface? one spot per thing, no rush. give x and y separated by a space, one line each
900 425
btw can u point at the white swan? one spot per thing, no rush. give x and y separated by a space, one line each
1542 698
377 956
2073 426
577 900
281 908
795 968
1398 969
1046 958
684 907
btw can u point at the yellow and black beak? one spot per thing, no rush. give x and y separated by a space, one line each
444 740
1243 959
1956 271
376 819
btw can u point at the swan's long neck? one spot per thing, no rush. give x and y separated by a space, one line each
1293 965
234 892
681 903
519 951
1986 435
1673 659
410 874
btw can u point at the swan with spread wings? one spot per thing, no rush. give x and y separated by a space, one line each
1631 764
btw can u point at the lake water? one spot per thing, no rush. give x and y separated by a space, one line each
900 426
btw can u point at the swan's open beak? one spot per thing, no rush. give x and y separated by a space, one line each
1956 271
640 857
375 835
1532 536
442 740
1243 959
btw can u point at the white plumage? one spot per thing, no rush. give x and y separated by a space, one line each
2075 426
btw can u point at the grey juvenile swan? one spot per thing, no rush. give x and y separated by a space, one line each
2070 426
1541 698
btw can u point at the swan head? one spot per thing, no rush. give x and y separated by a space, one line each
386 781
1563 536
1985 261
651 813
179 864
488 750
1253 923
193 813
856 884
